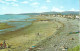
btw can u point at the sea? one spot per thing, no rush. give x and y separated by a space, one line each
20 21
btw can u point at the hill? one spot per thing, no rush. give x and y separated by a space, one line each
63 13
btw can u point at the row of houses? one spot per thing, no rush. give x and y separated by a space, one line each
59 15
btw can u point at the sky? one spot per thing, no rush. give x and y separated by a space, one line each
37 6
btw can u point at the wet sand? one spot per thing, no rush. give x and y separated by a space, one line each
4 26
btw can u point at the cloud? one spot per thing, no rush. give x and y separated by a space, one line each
25 2
31 0
72 9
44 7
57 9
2 1
35 3
48 1
15 5
3 8
12 0
61 7
5 2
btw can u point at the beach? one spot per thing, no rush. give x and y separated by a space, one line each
45 33
62 41
26 37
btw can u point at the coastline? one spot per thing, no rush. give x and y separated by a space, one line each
49 30
62 38
26 37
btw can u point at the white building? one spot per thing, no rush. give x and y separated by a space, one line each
77 17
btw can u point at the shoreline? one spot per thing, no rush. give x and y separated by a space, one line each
5 26
32 34
41 33
62 39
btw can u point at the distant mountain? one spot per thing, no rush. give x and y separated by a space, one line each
51 13
63 13
39 13
70 12
30 14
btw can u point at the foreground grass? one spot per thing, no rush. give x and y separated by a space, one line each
77 48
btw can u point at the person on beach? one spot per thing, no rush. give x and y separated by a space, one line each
4 44
1 45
